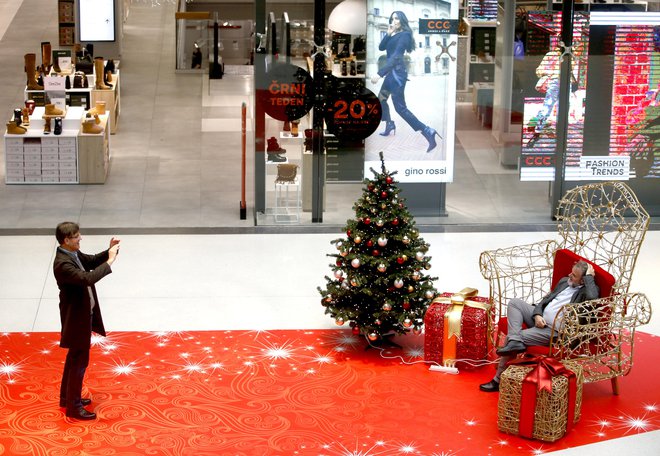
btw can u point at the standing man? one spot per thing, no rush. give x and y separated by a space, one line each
579 286
76 273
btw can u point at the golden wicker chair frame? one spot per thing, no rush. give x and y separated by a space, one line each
605 223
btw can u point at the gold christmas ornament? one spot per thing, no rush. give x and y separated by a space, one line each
387 307
428 294
407 323
339 321
357 239
382 267
406 240
373 336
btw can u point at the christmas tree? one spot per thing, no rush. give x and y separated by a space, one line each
379 284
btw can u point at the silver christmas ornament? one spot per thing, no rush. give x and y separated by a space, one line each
406 240
419 256
382 241
407 323
382 267
339 321
387 307
339 273
428 294
398 283
355 263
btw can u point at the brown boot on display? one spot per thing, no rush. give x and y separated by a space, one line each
294 127
46 50
274 147
52 111
13 129
89 127
98 109
31 70
46 125
25 112
99 73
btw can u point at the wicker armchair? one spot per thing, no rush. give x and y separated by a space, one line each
603 223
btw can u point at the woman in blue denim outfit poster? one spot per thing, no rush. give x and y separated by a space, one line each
416 92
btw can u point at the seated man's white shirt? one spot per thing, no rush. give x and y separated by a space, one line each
552 309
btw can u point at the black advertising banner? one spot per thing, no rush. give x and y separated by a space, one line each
289 94
438 26
352 112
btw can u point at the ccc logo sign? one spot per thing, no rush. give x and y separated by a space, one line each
440 24
538 160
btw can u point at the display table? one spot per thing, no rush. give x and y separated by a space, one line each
69 158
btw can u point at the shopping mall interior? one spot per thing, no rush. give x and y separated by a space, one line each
173 194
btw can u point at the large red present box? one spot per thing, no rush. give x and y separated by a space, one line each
456 328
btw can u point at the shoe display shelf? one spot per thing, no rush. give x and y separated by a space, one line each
68 158
282 203
87 97
287 202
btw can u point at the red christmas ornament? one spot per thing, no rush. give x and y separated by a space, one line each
338 263
370 243
395 222
383 194
406 305
348 233
389 180
367 221
400 260
356 330
375 252
370 187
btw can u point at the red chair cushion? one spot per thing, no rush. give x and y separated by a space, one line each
564 262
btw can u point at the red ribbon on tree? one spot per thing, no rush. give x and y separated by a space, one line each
540 378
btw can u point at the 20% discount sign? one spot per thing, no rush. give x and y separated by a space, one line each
352 112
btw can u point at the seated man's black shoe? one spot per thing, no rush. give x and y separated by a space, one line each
81 414
512 347
490 387
85 402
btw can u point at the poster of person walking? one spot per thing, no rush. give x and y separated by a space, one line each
412 58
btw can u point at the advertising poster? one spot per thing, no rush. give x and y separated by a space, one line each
614 103
97 20
411 67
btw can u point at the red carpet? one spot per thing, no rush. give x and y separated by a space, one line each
281 393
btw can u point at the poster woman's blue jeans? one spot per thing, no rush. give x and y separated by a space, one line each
551 97
399 102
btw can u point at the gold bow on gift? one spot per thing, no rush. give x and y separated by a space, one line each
454 313
452 319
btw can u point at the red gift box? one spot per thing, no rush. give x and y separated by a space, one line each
456 328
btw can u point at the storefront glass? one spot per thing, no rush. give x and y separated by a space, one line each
473 111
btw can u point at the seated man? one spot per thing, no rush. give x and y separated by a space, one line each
579 286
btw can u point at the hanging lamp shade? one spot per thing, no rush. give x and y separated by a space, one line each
349 17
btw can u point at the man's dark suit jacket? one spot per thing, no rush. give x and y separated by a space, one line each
589 291
75 305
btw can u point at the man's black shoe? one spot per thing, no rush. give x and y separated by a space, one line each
81 414
85 401
512 347
490 387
